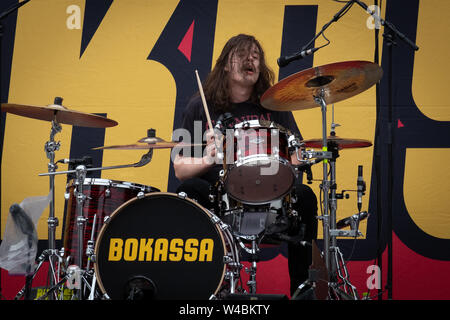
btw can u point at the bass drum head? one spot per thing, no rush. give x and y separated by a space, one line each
160 246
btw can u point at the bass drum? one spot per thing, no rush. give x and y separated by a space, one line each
162 246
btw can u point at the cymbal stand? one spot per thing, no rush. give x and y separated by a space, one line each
50 147
327 216
76 271
81 223
333 257
51 254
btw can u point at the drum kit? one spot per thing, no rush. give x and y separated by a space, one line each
128 241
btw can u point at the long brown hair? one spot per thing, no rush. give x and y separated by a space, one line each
216 84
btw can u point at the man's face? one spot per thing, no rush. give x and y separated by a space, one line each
243 66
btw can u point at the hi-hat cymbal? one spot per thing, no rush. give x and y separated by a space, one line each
335 81
343 143
62 115
147 146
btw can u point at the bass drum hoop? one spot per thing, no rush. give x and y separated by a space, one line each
155 194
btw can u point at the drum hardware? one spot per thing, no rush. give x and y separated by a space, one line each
317 87
57 114
40 260
93 284
232 273
352 221
145 159
254 258
91 244
342 274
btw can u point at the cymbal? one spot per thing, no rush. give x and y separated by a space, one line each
337 81
152 140
62 114
147 146
342 143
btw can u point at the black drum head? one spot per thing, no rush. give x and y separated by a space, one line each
160 247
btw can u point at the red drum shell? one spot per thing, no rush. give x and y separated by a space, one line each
254 151
103 197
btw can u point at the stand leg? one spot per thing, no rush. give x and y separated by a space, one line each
50 147
81 221
251 283
325 188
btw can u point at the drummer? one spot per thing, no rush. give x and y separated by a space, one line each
235 86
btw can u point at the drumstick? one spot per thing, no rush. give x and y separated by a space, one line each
208 118
205 106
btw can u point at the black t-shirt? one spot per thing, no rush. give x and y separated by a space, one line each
245 111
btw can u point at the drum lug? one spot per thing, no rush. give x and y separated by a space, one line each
182 195
140 195
107 192
215 219
106 219
294 198
227 259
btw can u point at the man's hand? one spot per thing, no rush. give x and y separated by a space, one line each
210 149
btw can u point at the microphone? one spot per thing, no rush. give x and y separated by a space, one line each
285 60
86 160
348 221
361 187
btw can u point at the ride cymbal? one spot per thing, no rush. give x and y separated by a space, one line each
59 113
335 82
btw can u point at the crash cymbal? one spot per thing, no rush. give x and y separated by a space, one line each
342 143
62 114
147 146
337 81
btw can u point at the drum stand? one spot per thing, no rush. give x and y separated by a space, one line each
254 258
334 261
76 275
50 254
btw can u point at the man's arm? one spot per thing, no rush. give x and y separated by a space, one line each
189 167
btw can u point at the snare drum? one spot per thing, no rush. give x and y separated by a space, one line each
103 197
163 246
261 171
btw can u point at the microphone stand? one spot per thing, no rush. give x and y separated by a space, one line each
335 18
377 161
389 35
328 217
